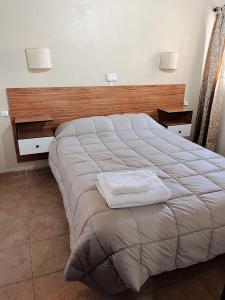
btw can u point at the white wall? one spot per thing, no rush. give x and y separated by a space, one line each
87 38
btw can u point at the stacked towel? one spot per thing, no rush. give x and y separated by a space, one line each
132 188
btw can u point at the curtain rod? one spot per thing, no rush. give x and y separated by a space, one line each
216 9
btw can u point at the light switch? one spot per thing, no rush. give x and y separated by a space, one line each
4 113
111 77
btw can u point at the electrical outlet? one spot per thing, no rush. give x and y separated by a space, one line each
111 77
4 113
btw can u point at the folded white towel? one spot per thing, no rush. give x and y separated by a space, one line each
156 193
126 182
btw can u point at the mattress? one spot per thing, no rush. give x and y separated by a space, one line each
118 249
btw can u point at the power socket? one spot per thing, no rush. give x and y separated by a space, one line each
111 77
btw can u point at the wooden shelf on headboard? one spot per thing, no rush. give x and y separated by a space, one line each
33 119
52 106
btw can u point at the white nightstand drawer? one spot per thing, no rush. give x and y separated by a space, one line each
35 145
182 130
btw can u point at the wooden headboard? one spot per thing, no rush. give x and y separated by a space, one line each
66 103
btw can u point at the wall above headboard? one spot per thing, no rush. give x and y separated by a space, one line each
56 105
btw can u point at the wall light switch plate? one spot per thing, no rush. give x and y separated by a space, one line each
111 77
4 113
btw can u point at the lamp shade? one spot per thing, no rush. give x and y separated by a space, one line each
168 61
38 59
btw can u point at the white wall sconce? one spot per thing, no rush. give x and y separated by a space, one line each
168 61
38 59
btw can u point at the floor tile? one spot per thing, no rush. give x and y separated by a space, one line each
39 180
15 264
39 170
18 291
214 280
45 200
175 276
50 255
48 225
53 287
184 290
10 179
11 174
123 296
14 233
13 196
146 297
7 215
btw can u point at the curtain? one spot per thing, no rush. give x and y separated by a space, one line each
217 105
210 101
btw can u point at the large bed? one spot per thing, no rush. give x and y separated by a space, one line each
118 249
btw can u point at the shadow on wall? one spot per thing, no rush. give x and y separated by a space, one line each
8 146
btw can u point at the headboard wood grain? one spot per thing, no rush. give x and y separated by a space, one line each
62 104
67 103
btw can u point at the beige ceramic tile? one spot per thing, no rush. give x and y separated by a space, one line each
40 180
185 290
53 287
50 255
6 180
38 171
45 209
7 215
12 174
44 200
214 280
15 264
123 296
14 233
48 225
18 291
13 196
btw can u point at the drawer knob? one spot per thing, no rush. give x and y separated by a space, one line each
37 146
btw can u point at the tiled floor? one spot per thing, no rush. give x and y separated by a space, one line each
34 247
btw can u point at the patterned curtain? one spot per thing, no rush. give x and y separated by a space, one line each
217 105
211 95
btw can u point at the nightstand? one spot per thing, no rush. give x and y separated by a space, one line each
34 136
176 120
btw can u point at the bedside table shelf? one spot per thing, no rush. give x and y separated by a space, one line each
176 120
35 119
33 136
167 123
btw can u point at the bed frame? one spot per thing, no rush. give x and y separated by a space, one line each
43 109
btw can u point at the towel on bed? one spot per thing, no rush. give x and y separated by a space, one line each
126 182
157 192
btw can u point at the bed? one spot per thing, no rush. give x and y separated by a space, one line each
118 249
